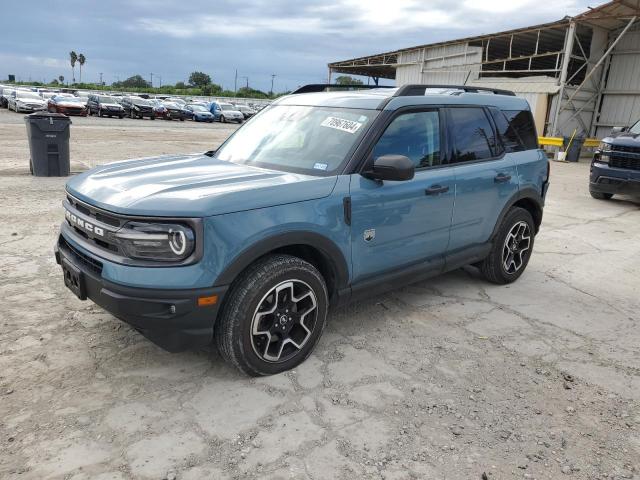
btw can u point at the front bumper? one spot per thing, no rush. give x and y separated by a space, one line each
172 319
31 108
606 179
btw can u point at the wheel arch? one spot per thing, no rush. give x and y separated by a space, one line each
527 198
312 247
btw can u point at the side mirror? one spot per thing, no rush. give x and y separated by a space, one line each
391 167
619 129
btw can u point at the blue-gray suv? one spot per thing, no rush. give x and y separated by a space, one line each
319 199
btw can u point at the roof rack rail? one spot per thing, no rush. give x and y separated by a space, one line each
418 89
327 87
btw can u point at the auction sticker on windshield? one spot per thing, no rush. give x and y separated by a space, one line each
349 126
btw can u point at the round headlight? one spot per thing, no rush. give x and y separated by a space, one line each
177 241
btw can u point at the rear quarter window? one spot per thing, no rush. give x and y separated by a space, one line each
516 128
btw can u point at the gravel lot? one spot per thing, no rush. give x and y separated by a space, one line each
451 378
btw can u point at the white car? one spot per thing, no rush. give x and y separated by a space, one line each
225 112
5 94
26 101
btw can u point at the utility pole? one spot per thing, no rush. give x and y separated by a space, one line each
100 78
151 79
235 82
160 79
273 75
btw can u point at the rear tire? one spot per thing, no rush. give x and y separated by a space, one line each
601 195
273 316
512 247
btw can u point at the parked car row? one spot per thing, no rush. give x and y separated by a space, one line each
27 100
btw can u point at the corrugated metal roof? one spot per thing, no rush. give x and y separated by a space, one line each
611 15
520 85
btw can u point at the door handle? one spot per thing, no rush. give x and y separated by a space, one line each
436 190
502 178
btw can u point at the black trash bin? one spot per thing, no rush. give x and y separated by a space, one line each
48 135
572 153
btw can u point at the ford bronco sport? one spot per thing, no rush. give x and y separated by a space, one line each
319 199
615 168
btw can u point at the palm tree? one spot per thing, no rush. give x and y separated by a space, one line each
73 58
61 78
81 60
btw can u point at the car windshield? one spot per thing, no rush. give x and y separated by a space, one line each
28 95
69 99
635 129
243 108
198 108
226 106
107 100
312 140
141 101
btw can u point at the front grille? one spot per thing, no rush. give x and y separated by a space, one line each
625 148
101 218
629 163
85 260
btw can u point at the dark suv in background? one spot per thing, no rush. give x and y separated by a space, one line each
104 105
136 107
615 168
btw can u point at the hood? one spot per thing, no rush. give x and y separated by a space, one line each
626 139
31 100
111 105
71 104
192 186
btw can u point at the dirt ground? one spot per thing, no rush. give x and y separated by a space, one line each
451 378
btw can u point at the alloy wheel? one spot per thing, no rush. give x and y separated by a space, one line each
284 321
516 245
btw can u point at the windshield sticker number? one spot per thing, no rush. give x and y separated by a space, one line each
320 166
349 126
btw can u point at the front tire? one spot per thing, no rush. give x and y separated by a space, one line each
273 316
222 119
512 247
600 195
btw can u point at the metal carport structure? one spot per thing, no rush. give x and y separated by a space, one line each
592 59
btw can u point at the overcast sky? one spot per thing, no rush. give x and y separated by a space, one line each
292 39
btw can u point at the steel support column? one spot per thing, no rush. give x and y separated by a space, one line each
566 58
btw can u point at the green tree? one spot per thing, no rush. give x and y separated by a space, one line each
180 85
73 58
81 61
199 79
135 81
251 93
54 82
347 80
61 78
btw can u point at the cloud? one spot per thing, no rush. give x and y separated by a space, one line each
290 38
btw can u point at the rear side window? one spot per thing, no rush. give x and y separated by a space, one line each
472 135
517 129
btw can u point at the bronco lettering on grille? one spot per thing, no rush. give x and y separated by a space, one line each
82 224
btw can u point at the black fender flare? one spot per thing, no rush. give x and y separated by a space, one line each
330 252
527 193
